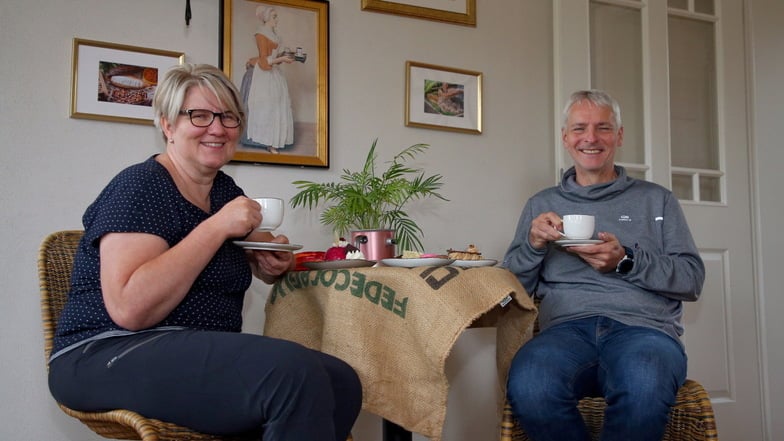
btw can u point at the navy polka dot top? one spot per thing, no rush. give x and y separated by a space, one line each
143 198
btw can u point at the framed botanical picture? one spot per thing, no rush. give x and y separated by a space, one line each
443 98
276 52
450 11
116 82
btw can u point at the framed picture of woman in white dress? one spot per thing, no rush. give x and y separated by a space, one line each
276 52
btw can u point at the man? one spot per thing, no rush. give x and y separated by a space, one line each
610 312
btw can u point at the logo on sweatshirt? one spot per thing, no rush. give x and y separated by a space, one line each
625 218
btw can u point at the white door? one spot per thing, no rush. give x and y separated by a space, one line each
678 68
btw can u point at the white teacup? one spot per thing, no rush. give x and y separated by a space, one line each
271 213
578 226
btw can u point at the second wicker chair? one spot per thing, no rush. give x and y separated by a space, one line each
691 418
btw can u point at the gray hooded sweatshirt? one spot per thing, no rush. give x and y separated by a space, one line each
643 216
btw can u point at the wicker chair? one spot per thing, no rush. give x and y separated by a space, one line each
691 418
55 260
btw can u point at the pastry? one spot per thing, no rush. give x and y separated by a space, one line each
335 253
343 250
470 253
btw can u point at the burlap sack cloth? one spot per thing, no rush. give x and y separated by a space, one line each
396 327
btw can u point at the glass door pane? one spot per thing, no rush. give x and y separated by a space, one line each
693 108
692 93
616 66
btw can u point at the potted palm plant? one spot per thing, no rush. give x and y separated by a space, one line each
369 199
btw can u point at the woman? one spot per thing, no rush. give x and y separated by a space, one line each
152 323
270 119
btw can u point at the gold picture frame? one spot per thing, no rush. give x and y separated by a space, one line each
301 33
443 98
116 82
457 12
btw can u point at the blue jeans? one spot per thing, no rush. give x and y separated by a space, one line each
637 370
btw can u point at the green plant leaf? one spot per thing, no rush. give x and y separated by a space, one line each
365 200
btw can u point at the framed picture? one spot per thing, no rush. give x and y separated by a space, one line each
276 52
116 82
443 98
450 11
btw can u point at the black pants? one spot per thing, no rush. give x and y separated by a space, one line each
214 382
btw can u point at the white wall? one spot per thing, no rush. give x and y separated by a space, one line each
52 167
767 36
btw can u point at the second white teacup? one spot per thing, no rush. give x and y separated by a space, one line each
578 226
271 213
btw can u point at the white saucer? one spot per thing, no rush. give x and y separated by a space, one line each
577 242
338 264
267 246
474 263
413 263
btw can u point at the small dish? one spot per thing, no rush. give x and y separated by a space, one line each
267 246
413 263
338 264
474 263
307 256
577 242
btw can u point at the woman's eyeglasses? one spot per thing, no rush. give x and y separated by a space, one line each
204 117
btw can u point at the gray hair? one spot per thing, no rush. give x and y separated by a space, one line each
171 91
596 97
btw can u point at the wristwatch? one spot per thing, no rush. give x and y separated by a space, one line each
627 263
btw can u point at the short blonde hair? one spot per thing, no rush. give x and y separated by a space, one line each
171 91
